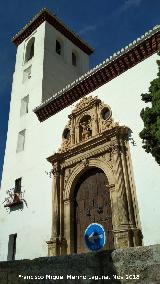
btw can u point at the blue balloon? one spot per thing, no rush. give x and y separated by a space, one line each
95 237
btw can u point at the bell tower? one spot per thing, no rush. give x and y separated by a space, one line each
49 56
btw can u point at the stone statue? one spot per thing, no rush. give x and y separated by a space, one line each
86 131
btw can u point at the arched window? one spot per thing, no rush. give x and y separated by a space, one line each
58 47
29 49
74 59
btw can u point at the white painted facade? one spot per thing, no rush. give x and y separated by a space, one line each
58 69
33 223
47 71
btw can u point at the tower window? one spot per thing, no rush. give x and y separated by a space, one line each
21 140
24 105
12 247
31 54
29 49
27 74
74 59
58 47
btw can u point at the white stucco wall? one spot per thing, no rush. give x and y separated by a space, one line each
19 164
58 69
33 224
123 94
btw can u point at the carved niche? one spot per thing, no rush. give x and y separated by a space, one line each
90 139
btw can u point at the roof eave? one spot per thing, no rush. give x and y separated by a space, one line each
45 15
105 72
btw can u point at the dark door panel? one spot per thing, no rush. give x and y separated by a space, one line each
92 204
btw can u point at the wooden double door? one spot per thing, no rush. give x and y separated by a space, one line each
92 204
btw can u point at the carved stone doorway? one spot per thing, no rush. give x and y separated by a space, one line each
92 204
94 154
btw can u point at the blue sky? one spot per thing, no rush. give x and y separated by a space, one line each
107 25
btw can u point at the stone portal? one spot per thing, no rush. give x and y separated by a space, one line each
93 181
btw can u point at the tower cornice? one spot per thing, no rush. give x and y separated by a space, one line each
45 15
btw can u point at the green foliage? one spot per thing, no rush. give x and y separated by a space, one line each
151 118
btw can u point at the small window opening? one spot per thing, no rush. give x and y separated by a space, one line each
18 185
74 59
27 74
21 140
58 47
29 49
31 54
24 105
12 247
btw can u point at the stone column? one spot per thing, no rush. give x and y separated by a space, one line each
67 232
76 133
95 121
114 207
72 226
127 182
122 228
63 242
137 235
54 243
72 131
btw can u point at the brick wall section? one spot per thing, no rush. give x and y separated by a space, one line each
142 261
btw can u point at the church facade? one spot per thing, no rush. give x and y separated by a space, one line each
73 153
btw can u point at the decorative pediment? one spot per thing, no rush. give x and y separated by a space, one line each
91 117
84 103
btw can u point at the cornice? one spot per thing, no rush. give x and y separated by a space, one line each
46 15
117 64
92 143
